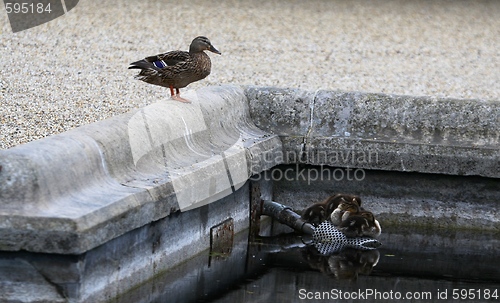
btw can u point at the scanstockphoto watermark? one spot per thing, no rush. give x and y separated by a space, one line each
365 294
25 14
332 157
324 166
372 295
312 174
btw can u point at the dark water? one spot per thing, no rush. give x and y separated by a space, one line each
417 266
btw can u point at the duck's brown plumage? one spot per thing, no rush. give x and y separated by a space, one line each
177 69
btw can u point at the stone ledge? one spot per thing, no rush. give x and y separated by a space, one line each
72 192
379 131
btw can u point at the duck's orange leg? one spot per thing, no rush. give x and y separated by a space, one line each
177 96
171 91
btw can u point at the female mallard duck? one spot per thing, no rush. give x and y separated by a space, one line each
177 69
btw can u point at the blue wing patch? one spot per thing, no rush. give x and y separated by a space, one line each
159 64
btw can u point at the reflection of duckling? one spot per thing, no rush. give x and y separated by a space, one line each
361 224
343 267
344 209
348 264
369 259
314 214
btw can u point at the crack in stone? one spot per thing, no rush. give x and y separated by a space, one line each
304 145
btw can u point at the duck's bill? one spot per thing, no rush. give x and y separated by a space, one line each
213 50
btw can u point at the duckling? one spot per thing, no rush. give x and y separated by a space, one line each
318 212
314 214
361 224
374 230
177 69
353 226
344 209
348 197
332 202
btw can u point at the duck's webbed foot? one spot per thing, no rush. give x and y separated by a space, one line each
177 95
180 99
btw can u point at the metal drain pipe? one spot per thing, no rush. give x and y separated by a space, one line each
326 237
287 216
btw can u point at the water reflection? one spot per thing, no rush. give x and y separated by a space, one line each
278 266
417 266
285 268
344 263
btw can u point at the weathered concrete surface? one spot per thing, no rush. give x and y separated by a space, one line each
113 189
21 282
74 191
379 131
77 190
127 261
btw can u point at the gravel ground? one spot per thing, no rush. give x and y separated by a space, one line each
73 70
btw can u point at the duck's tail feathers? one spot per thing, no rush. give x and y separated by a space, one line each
142 64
